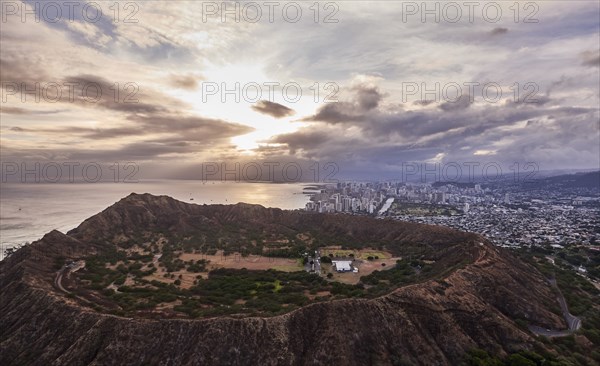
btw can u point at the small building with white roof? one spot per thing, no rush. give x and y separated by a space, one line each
343 266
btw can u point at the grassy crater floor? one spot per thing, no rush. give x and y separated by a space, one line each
130 284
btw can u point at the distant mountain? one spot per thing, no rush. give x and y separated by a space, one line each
586 180
589 180
476 297
456 184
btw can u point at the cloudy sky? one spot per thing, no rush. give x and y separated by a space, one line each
369 85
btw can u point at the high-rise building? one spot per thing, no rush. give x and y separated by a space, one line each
372 207
440 197
347 204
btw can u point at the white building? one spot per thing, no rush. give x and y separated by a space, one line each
343 266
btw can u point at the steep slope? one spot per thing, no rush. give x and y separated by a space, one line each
473 304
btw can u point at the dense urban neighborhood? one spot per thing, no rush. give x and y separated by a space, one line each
559 213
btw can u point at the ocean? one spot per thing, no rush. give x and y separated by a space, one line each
28 211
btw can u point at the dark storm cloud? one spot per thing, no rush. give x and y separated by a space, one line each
186 82
14 110
498 31
431 128
150 118
25 111
191 128
20 70
95 91
423 103
364 99
534 101
150 149
86 90
591 58
132 152
334 113
462 103
382 124
136 152
367 98
182 128
481 134
82 90
306 139
268 151
386 137
273 109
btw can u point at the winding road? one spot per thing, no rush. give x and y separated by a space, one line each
58 279
66 270
573 322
